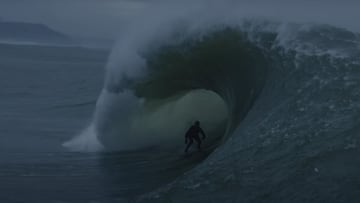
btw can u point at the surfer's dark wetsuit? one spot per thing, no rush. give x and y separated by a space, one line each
193 134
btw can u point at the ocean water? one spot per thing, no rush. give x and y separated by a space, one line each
279 102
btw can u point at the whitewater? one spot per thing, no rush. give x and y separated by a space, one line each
279 100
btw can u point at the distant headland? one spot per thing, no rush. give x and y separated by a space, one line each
21 32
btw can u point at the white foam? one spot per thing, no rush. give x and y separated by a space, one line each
86 141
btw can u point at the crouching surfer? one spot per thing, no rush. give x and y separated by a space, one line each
193 134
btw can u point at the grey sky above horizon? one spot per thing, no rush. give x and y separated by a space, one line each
89 18
106 18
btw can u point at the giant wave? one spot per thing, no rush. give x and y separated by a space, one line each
281 99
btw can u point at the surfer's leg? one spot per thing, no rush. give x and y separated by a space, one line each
189 144
198 140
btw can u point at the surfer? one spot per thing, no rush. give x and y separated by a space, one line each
193 134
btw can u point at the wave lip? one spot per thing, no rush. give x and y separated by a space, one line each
224 62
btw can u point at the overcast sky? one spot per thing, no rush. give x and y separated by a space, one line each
93 18
106 18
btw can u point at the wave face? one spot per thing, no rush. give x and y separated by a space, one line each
223 62
288 93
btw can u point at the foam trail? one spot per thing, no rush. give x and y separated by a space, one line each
86 141
113 116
